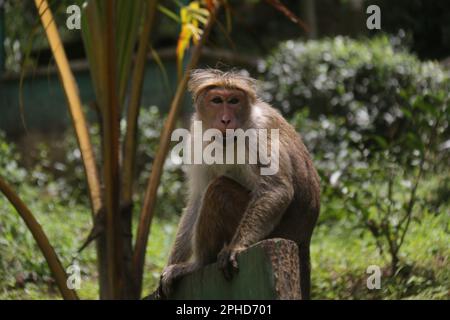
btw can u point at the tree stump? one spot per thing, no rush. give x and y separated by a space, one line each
267 270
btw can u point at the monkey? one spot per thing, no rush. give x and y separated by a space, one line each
231 207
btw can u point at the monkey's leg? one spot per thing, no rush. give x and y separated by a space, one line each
224 204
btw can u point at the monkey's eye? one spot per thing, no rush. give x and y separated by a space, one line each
233 101
217 100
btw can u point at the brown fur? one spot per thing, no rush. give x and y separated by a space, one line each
232 207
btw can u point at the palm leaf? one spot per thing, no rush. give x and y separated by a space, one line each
127 20
72 94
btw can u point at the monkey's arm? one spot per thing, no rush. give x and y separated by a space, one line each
182 248
267 205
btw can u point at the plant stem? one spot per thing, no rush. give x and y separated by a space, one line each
129 152
111 162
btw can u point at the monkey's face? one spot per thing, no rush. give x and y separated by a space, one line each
223 109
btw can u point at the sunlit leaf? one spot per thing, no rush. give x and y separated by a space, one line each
191 17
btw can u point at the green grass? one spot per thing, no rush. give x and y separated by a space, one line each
340 255
23 271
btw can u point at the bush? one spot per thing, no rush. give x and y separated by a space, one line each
21 261
381 95
377 123
9 160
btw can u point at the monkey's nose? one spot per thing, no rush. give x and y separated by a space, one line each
226 122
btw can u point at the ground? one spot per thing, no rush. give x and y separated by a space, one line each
340 256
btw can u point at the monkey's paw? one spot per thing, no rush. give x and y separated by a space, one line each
227 260
167 280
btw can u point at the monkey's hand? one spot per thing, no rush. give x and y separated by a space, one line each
227 260
167 279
